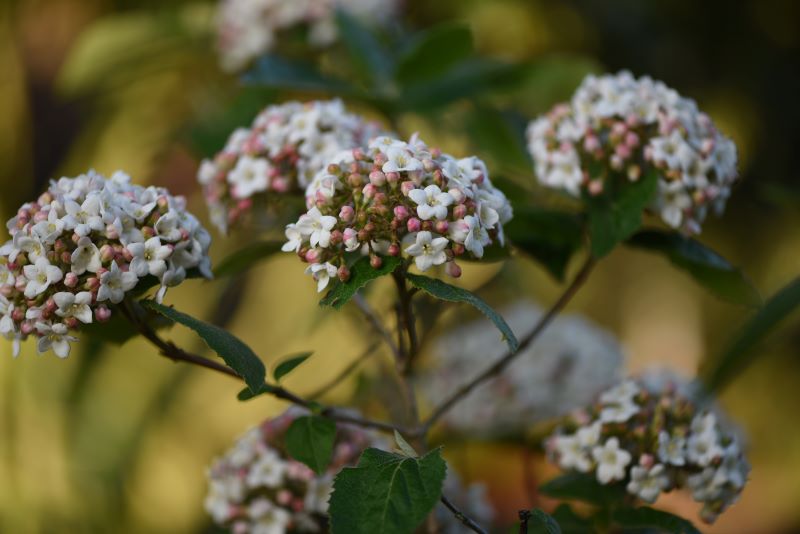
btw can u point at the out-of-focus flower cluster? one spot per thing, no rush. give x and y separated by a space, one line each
618 127
397 197
286 146
82 246
246 29
472 499
256 487
568 366
653 436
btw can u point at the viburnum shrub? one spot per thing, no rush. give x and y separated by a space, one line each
387 207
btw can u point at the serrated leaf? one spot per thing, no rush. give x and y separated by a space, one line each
376 64
542 523
289 364
650 518
281 73
236 354
739 352
434 52
708 268
583 487
404 446
569 521
549 237
614 216
361 274
386 493
243 259
309 439
444 291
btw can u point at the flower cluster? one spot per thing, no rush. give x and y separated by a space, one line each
256 487
393 198
247 29
567 367
286 146
654 437
82 246
621 127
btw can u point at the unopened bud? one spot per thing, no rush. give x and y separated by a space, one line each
102 314
375 261
377 178
452 269
394 250
343 273
347 213
401 213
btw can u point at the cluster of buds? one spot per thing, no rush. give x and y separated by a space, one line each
397 197
82 246
618 127
256 487
286 146
247 29
568 366
653 438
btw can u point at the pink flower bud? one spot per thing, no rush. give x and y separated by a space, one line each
375 261
407 187
92 283
591 143
452 269
71 323
111 232
7 290
392 177
281 184
18 315
347 213
355 180
106 253
358 154
102 314
458 195
50 305
343 273
440 227
312 256
460 211
595 187
623 151
394 250
631 139
40 216
27 328
148 232
401 213
458 249
336 237
619 129
66 258
414 225
646 460
428 164
71 280
377 178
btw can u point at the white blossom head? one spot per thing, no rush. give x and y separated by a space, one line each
84 245
397 198
284 148
652 435
570 363
257 487
618 128
247 29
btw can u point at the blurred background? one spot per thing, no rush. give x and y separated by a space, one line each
117 438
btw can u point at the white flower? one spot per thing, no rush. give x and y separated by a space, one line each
469 232
318 493
268 470
50 230
431 202
149 257
30 245
322 273
399 159
86 257
6 277
565 171
40 276
317 227
673 201
572 454
54 337
428 251
250 176
621 393
168 227
268 518
611 461
671 449
648 484
84 218
703 448
74 305
704 423
618 413
589 436
115 283
294 237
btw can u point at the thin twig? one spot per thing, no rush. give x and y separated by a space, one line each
466 521
509 356
364 356
376 323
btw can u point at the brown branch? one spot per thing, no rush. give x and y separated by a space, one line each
466 521
506 359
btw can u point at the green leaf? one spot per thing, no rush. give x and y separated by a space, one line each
739 352
708 268
404 446
583 487
502 135
549 237
441 290
247 394
542 523
650 518
309 439
569 521
361 274
280 73
615 217
434 52
243 259
289 364
386 493
374 61
237 355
